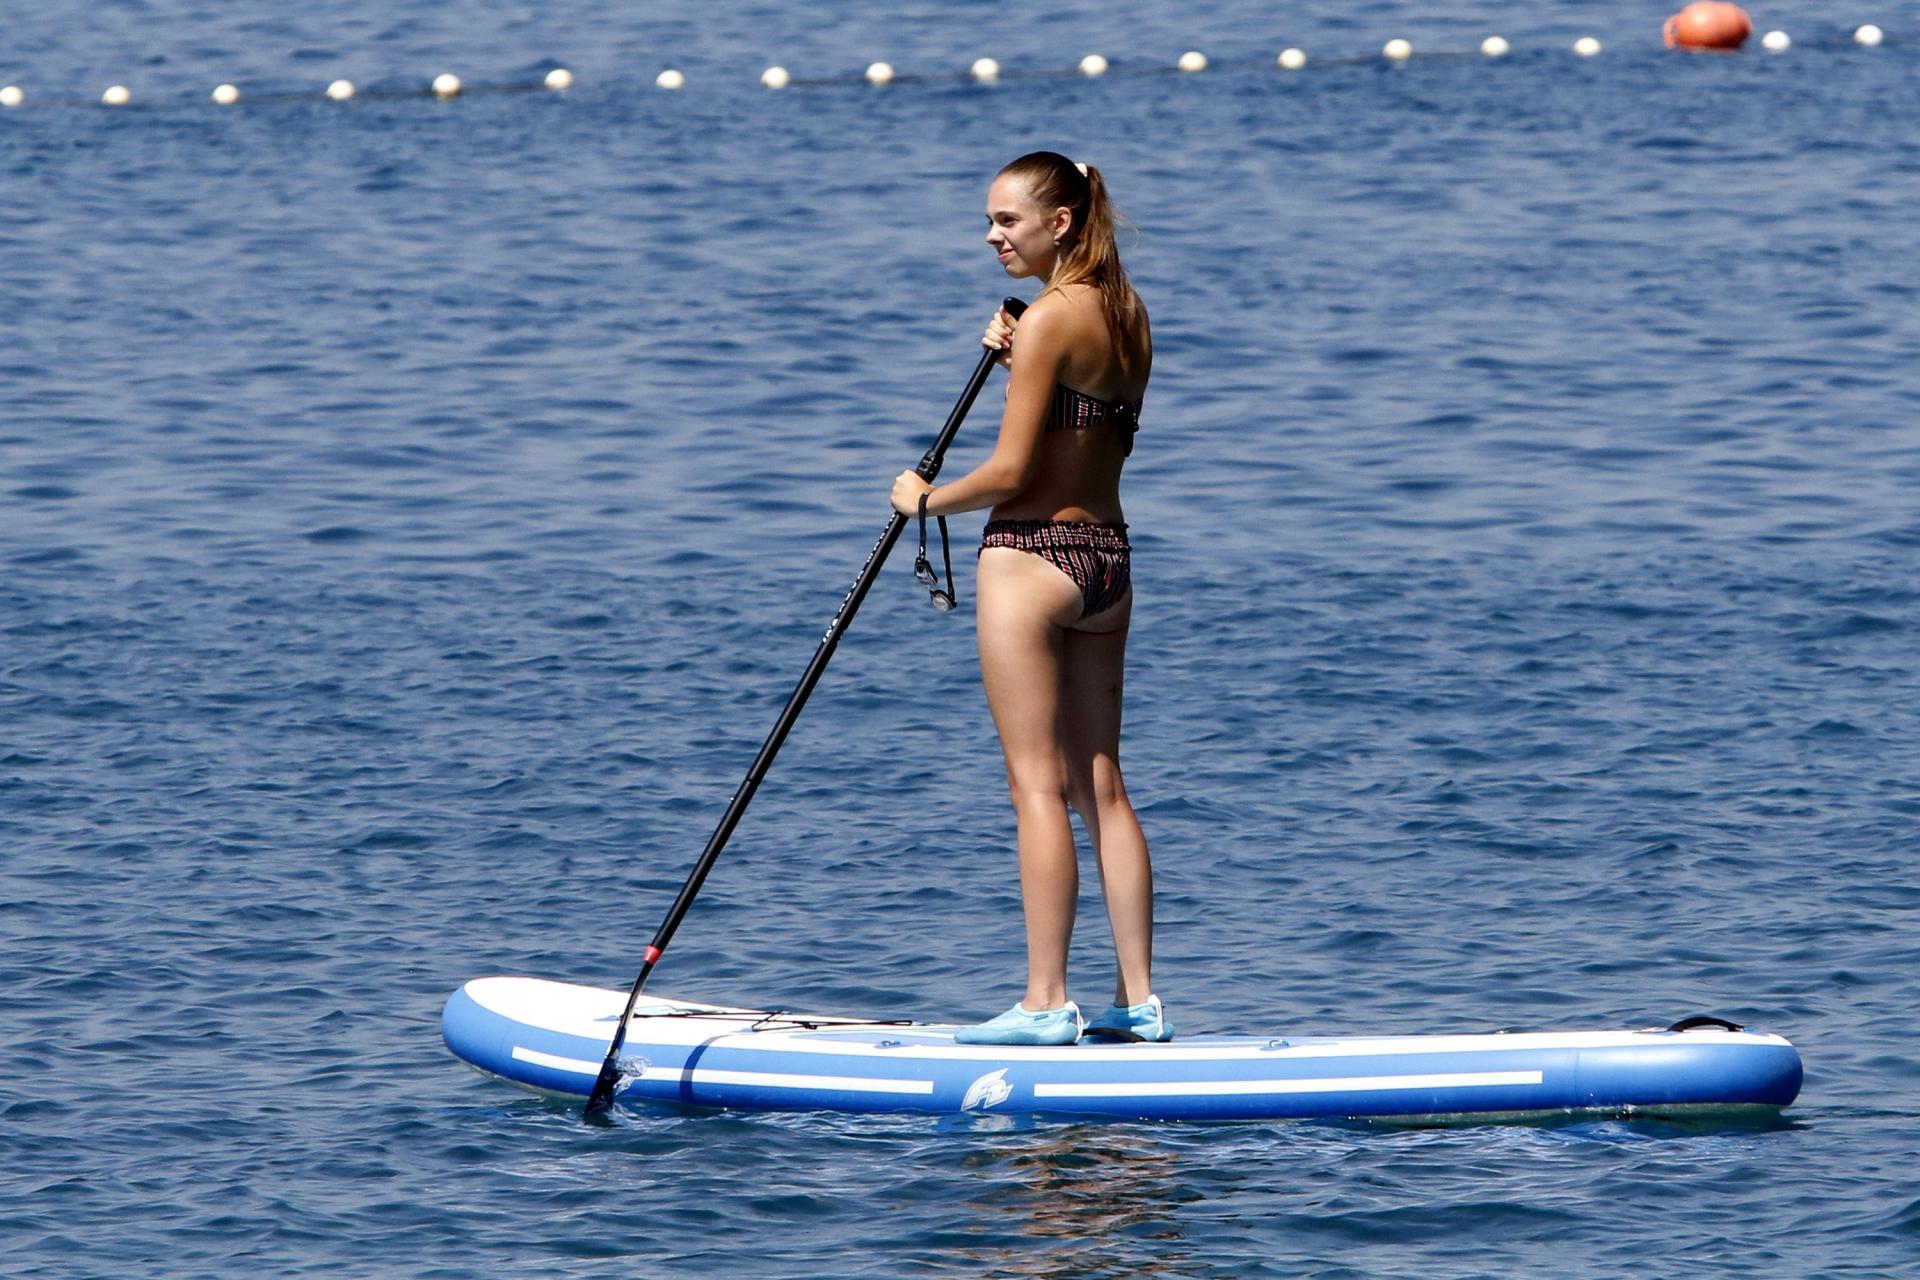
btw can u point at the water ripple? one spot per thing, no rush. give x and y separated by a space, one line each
416 514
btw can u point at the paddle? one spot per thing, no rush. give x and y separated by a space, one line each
603 1086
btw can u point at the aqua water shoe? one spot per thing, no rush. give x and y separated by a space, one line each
1143 1021
1020 1025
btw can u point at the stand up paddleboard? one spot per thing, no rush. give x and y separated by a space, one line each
553 1036
583 1042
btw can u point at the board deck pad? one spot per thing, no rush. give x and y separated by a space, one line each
552 1037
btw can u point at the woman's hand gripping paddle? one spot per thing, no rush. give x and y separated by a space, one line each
602 1097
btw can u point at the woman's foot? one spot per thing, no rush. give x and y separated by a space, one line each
1020 1025
1143 1021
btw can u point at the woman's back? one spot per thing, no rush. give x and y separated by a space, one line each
1091 415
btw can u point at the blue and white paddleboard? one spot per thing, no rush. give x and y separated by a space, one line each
552 1037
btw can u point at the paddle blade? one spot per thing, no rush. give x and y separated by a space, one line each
600 1101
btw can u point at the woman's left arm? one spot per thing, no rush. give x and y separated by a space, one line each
1009 468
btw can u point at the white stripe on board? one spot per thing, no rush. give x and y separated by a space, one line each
558 1063
708 1075
1337 1084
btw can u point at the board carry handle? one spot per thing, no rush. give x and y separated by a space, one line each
603 1086
1699 1020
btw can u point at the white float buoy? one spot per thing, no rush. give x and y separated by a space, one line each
1495 46
226 95
340 90
1291 60
12 96
446 85
1093 65
117 95
1192 60
1398 50
1586 46
1869 35
985 70
670 79
1777 41
775 78
559 79
880 73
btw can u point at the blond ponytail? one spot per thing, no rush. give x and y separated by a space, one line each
1089 254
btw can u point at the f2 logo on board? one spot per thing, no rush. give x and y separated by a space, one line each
989 1090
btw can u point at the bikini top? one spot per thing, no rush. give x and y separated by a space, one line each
1076 409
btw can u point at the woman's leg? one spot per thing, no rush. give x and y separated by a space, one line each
1092 661
1023 606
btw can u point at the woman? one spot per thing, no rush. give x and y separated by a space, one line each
1055 588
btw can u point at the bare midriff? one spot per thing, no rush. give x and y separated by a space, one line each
1076 476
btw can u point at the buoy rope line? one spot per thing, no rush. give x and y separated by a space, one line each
448 86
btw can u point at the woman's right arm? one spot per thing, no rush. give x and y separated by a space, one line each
1009 468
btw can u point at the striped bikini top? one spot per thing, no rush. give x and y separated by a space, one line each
1076 409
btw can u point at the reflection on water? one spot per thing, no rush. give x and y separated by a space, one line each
1051 1202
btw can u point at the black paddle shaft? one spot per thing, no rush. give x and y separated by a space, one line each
603 1086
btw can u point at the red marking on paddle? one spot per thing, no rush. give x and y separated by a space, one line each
653 955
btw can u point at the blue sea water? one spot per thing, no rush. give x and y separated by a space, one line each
413 515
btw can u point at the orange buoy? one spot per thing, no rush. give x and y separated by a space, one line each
1708 24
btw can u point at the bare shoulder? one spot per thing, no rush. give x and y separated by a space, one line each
1052 319
1052 308
1070 312
1082 299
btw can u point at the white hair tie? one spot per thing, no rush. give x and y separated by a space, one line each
1081 167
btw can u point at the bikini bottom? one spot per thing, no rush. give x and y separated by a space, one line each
1096 556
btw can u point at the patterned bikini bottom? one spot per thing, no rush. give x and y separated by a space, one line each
1097 557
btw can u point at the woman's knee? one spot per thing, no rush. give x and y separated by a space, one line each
1097 789
1041 781
1080 798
